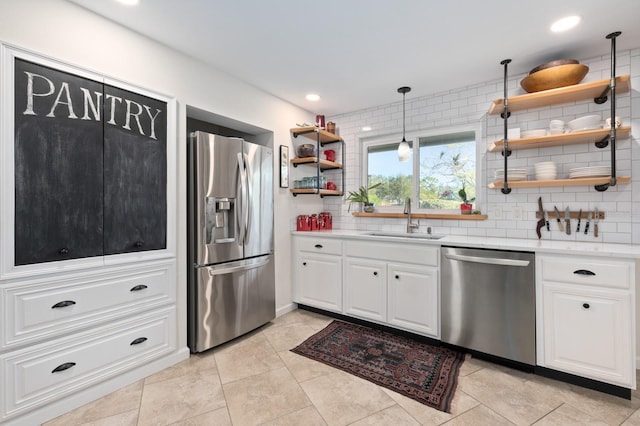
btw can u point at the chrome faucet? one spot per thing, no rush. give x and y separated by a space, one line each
407 210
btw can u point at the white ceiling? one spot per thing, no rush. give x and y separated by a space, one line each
356 53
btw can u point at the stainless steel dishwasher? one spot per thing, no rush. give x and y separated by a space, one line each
488 302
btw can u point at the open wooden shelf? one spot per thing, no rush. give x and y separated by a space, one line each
577 92
585 136
322 192
592 181
441 216
324 164
312 132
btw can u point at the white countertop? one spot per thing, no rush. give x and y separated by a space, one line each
537 246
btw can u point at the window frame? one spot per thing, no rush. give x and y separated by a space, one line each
414 137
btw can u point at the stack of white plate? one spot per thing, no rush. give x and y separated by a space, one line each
512 174
546 170
594 171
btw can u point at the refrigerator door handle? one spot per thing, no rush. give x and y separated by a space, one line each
242 221
249 190
240 267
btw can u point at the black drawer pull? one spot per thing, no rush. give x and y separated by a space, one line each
63 304
304 263
318 246
138 287
138 341
586 305
375 273
63 251
584 272
397 277
139 244
62 367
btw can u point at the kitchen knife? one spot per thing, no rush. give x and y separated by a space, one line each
567 221
560 227
541 222
596 219
546 221
579 219
586 227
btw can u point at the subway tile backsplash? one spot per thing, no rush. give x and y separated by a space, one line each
468 105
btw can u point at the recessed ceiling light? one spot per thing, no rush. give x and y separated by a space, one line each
565 24
129 2
312 97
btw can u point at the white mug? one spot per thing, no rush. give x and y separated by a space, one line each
618 122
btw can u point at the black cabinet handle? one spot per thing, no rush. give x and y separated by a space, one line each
139 244
138 287
318 246
397 277
63 251
63 304
375 273
304 263
586 305
138 341
62 367
584 272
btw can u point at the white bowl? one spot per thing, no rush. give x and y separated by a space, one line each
556 130
545 163
588 122
555 124
533 133
546 176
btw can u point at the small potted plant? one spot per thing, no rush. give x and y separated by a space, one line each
466 207
362 196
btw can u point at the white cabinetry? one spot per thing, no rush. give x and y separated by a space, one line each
413 298
317 272
396 284
585 317
366 288
77 325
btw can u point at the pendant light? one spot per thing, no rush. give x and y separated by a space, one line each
404 151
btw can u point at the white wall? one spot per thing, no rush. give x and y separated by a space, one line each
71 34
467 106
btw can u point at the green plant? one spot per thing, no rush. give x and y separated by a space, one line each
361 195
463 196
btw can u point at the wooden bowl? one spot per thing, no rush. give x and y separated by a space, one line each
551 64
554 77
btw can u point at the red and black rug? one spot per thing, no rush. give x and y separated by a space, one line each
426 373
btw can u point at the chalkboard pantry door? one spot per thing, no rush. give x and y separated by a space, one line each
84 167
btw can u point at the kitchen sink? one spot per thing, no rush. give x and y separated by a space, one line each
406 235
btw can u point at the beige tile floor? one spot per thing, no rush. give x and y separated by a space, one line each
255 380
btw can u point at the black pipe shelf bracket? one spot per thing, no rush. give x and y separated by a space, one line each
603 143
506 152
612 132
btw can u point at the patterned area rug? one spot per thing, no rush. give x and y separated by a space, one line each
428 374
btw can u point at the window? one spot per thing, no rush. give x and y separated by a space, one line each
438 169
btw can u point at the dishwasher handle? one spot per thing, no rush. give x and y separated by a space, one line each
487 260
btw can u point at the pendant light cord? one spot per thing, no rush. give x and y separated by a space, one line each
404 90
404 95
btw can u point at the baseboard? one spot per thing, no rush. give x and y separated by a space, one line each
286 309
614 390
61 406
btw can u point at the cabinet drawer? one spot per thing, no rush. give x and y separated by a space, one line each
587 271
46 372
391 252
39 309
319 245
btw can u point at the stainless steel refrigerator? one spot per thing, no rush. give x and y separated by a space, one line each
231 283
